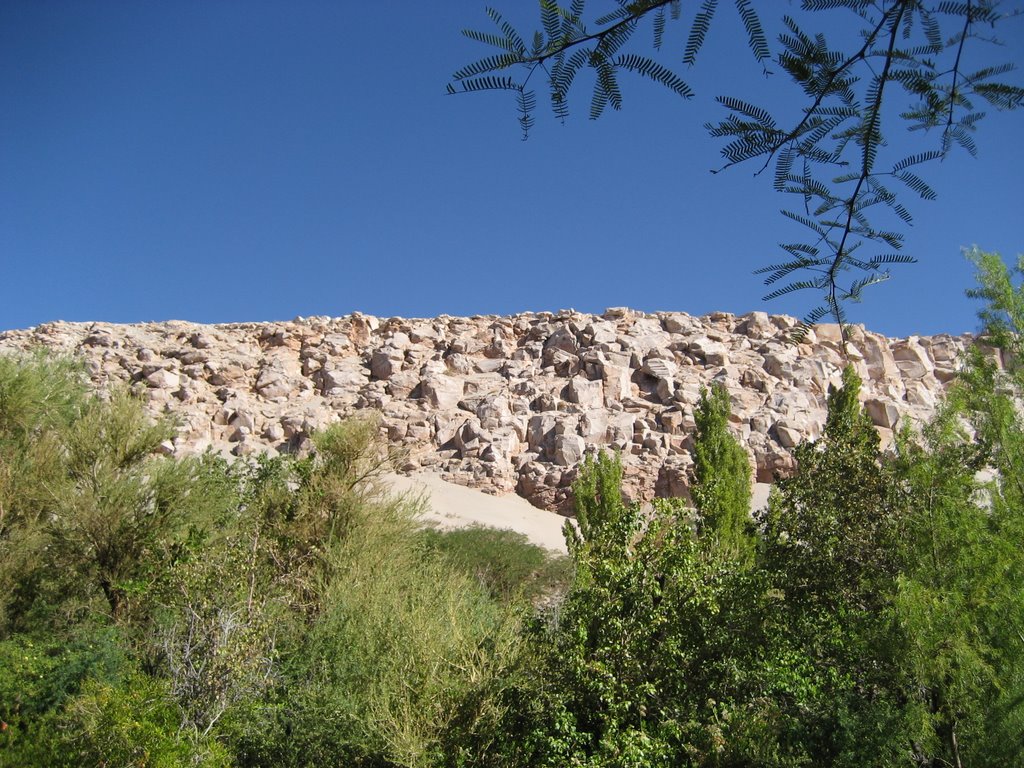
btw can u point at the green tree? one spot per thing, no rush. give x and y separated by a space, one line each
87 508
959 598
832 152
832 552
40 398
640 664
957 605
122 510
721 488
385 643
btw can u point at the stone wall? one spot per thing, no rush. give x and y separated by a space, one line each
508 403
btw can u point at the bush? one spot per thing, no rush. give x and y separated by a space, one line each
402 639
135 725
503 562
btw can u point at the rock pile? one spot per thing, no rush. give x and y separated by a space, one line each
508 403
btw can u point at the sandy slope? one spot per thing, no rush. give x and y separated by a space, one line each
455 506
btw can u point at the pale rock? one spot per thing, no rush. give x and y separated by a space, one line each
711 352
671 421
644 344
399 340
779 364
665 390
593 427
273 384
465 346
621 427
164 379
293 425
920 395
386 362
185 395
829 333
632 381
659 368
912 359
601 333
469 438
201 340
617 313
565 363
459 365
883 413
274 432
567 424
493 411
361 328
540 432
679 322
488 365
878 357
662 372
338 379
243 419
756 379
568 450
418 431
757 325
563 339
787 434
586 393
617 383
401 385
744 402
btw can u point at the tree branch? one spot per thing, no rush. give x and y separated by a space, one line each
875 117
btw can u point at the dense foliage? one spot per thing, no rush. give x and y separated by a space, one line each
290 612
168 612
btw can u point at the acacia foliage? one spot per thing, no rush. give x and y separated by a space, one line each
908 67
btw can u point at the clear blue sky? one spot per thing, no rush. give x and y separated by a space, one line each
224 161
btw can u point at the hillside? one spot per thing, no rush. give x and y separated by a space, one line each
507 403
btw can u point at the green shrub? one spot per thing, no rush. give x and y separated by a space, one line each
503 562
403 637
134 725
38 678
721 488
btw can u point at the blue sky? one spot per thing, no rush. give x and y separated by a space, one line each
223 161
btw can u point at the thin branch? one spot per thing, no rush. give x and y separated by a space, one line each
865 171
566 44
968 20
859 56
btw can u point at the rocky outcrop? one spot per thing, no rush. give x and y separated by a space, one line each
508 403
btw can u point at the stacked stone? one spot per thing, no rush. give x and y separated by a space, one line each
509 403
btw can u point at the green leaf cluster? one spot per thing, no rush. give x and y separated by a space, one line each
722 477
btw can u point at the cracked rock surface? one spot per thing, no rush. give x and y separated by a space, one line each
509 403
